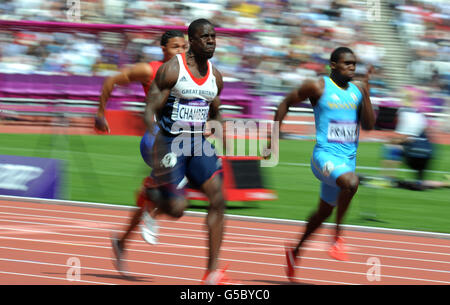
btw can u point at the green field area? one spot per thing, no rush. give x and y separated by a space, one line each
109 169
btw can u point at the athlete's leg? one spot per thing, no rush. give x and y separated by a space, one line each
315 221
119 242
327 201
146 149
215 218
169 176
348 183
204 170
143 204
339 185
169 199
134 221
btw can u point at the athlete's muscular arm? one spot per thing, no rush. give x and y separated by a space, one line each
214 113
366 113
310 88
164 81
140 72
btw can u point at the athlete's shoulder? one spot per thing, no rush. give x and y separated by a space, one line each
173 62
141 66
170 66
314 86
167 74
358 84
218 76
138 72
216 72
319 81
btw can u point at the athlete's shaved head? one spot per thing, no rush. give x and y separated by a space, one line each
336 55
202 38
197 24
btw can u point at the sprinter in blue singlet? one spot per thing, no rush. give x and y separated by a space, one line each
341 107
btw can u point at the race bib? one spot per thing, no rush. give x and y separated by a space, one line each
342 132
194 113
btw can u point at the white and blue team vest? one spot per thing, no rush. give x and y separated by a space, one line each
187 107
336 119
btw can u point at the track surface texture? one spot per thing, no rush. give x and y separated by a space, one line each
61 243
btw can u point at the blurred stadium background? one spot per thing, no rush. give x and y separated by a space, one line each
53 61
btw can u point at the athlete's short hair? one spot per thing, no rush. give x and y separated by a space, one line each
196 24
170 34
336 54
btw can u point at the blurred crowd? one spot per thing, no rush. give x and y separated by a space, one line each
425 28
300 37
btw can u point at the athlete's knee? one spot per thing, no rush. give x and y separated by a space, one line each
349 183
325 209
213 190
217 202
171 203
176 207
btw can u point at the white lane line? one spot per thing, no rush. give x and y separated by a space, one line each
50 277
279 221
253 261
99 269
261 244
239 228
151 263
266 254
235 271
99 224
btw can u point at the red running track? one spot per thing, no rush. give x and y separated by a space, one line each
48 243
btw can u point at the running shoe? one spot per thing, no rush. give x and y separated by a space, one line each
217 277
337 250
118 256
149 229
290 263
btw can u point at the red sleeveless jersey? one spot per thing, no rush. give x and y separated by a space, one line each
155 66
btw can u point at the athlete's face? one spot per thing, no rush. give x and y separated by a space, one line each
345 66
203 42
174 46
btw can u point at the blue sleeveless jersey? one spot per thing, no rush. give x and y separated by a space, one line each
336 119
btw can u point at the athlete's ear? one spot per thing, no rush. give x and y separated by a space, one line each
333 65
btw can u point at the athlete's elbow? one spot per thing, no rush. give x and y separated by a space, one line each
120 79
368 120
281 111
108 83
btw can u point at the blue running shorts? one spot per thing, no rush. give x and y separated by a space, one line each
146 145
186 155
328 168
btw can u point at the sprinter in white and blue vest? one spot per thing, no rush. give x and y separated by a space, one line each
341 107
184 95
